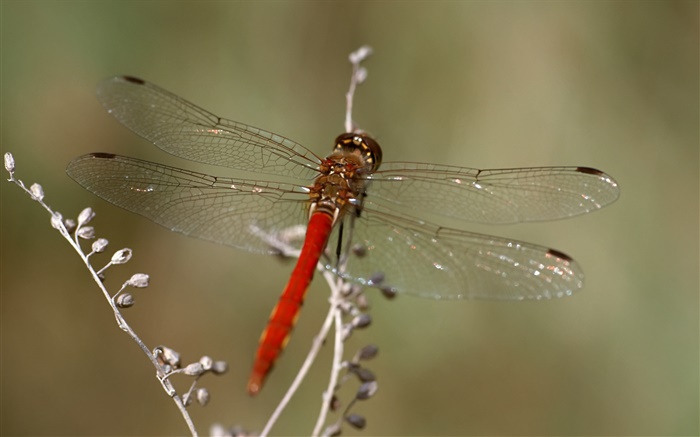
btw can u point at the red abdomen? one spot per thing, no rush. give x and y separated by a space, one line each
284 315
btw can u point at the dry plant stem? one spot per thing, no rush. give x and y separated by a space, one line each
338 350
358 76
349 124
121 322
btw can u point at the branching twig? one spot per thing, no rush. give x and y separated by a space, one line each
165 360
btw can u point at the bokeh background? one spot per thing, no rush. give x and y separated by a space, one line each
612 85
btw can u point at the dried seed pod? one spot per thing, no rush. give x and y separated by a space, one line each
218 430
194 369
388 292
99 245
219 367
86 232
37 192
359 250
56 220
362 321
365 375
9 163
356 289
347 289
125 300
362 301
360 54
361 75
167 356
121 256
69 224
202 395
368 352
356 420
366 390
85 216
138 280
335 403
206 362
376 278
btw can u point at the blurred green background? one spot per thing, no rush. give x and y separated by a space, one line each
612 85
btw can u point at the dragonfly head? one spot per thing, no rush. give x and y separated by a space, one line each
360 143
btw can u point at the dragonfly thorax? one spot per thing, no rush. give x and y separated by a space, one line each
341 178
337 185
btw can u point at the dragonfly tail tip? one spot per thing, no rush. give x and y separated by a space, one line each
254 386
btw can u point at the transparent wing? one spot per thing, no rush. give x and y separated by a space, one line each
238 213
430 261
414 256
491 196
188 131
487 196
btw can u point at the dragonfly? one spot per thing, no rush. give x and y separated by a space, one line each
350 202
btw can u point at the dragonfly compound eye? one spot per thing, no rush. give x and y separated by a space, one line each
367 147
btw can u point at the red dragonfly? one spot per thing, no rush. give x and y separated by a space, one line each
349 199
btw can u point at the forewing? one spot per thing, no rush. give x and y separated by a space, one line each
491 196
239 213
188 131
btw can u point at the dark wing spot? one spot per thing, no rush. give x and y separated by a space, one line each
560 255
589 170
103 155
135 80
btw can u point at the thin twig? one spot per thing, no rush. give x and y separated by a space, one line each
338 349
359 74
